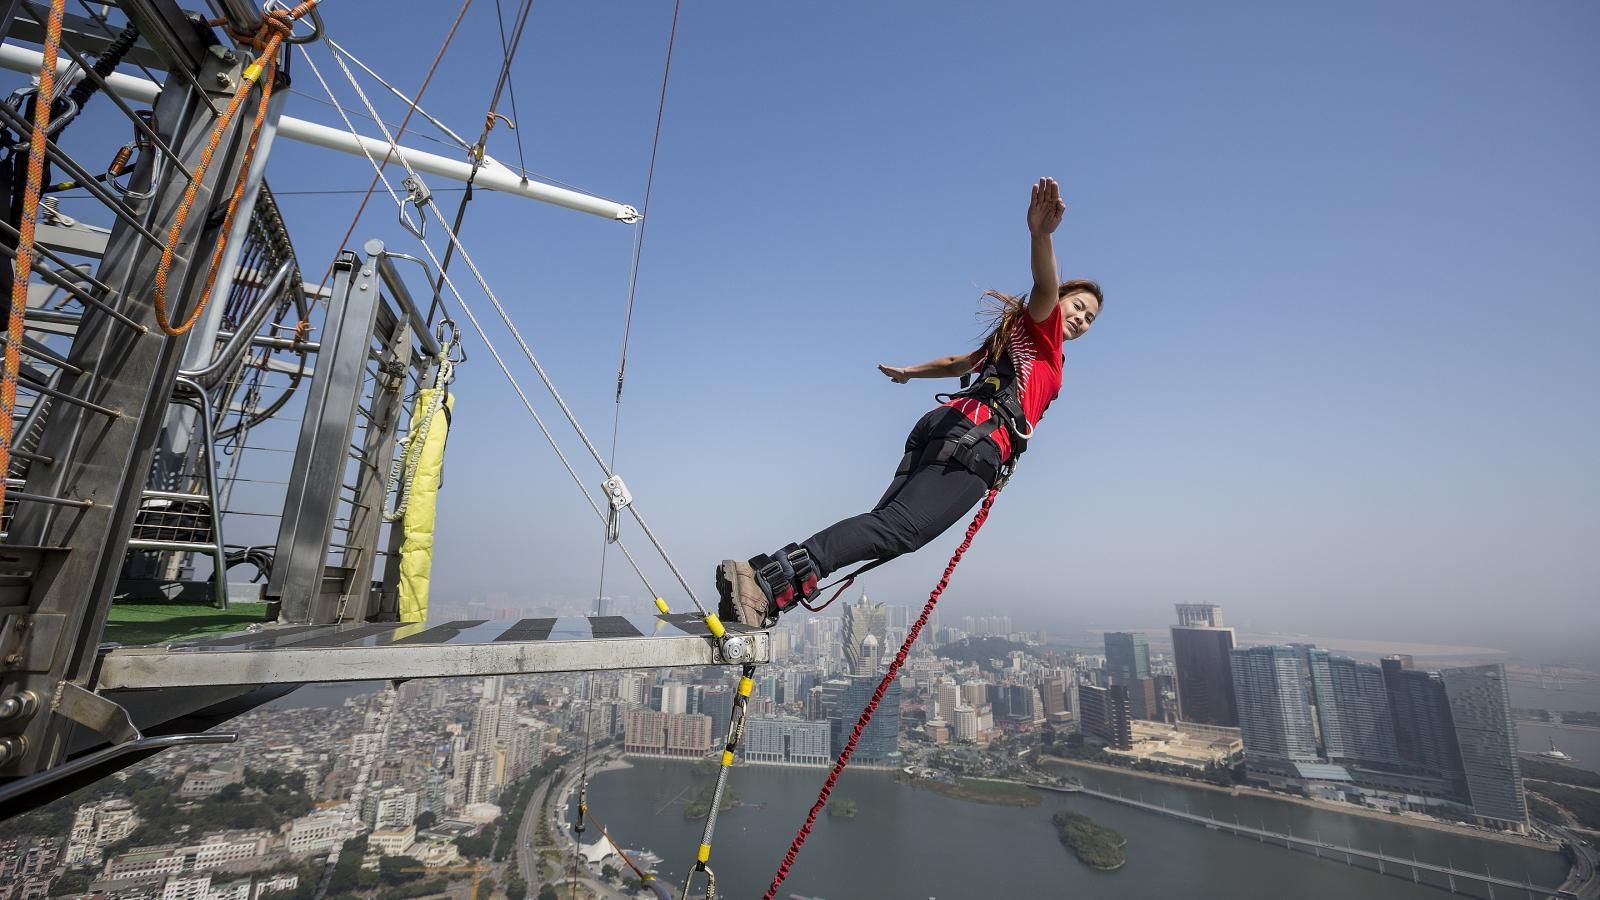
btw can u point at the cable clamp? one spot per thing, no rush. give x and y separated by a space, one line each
418 195
617 494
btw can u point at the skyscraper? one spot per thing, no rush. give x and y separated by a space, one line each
1274 713
1424 730
1200 656
1353 709
1480 704
1106 714
861 620
1127 656
880 741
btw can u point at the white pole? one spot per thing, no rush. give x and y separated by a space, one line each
491 176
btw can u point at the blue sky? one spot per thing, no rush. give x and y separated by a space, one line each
1345 382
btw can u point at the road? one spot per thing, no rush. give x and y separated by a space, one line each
527 853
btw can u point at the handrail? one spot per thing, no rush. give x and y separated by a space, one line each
208 374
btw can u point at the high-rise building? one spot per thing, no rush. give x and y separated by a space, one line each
975 693
1053 691
1274 713
947 696
717 702
1127 656
667 734
861 620
632 689
675 697
1106 714
880 741
1200 648
1144 699
787 741
1353 709
1480 704
868 656
966 723
1424 730
1199 615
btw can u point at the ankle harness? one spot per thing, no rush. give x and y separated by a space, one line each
788 576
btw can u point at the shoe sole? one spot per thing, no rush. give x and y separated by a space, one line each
740 598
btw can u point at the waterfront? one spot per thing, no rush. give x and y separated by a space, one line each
908 843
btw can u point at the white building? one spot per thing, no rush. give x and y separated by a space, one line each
393 841
95 826
319 831
966 723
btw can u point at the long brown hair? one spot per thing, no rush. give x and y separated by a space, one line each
1003 310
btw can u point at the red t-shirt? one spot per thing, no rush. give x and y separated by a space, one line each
1035 349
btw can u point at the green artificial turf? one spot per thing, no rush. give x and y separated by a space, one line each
137 624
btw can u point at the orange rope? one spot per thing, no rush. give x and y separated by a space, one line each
23 264
268 39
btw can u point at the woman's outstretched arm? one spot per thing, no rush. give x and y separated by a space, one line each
1045 209
943 367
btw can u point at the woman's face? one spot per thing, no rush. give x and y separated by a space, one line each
1079 309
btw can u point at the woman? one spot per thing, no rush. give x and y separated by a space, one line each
957 452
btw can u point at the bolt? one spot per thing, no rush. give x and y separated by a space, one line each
14 659
229 57
223 80
12 749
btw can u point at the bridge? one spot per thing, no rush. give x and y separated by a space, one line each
1384 863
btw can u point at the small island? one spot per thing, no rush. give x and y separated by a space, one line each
841 809
700 806
1096 846
976 790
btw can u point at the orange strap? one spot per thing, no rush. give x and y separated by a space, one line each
22 266
268 39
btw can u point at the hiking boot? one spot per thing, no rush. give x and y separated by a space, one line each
740 596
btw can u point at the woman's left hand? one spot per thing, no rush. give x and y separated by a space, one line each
896 374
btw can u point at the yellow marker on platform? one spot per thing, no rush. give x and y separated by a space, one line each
662 605
727 757
704 854
715 624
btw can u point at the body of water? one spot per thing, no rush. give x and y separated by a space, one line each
1583 696
910 843
1582 744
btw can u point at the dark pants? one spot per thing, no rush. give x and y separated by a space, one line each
922 501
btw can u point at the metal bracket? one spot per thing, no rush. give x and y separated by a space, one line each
617 494
418 195
97 713
736 648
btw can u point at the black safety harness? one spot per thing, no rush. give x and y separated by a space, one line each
999 389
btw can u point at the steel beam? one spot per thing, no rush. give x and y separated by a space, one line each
139 668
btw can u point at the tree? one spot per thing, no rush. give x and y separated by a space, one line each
516 886
486 889
399 869
548 892
608 871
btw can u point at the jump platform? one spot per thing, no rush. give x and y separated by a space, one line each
305 654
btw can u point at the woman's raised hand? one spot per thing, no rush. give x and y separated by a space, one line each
1046 207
